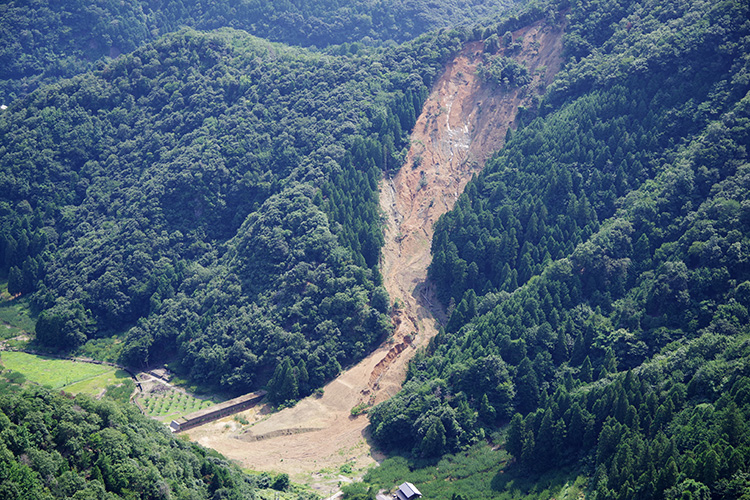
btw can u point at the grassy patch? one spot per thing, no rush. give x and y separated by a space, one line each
360 409
271 486
294 493
212 392
54 373
99 383
121 392
15 315
477 473
106 349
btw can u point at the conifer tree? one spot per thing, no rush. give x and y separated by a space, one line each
527 387
283 385
561 347
487 412
15 280
433 444
610 361
579 350
586 372
288 389
303 378
514 440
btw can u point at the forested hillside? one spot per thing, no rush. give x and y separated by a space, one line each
211 198
596 270
175 185
41 42
54 446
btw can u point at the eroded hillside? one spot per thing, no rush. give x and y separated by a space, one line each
463 121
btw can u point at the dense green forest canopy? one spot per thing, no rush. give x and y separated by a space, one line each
58 446
41 42
597 269
174 184
211 197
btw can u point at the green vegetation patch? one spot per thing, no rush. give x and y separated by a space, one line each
504 71
15 315
476 473
106 349
96 385
56 373
171 404
108 451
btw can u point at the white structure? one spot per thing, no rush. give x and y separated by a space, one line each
407 491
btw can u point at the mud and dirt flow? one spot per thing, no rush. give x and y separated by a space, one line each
462 123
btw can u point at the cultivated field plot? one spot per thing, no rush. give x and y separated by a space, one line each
71 376
165 403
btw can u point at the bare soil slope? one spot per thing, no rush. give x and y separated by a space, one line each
462 123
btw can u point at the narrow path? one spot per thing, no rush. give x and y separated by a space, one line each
463 121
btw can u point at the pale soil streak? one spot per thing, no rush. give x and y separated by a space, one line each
462 123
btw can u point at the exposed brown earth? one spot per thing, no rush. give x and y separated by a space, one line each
462 123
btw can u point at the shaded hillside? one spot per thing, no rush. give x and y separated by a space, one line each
175 184
596 269
41 42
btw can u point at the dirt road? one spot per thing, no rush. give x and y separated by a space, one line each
463 121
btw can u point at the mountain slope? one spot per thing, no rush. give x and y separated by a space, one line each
319 432
160 199
582 252
163 196
41 43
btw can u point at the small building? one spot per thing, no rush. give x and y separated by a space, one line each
217 411
407 491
